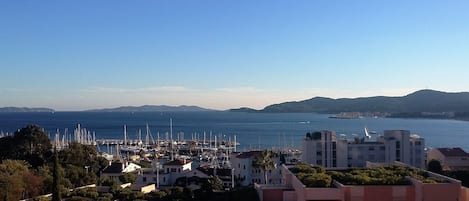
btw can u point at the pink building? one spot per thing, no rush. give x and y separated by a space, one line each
293 189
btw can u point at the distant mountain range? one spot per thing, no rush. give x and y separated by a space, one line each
153 108
25 109
423 103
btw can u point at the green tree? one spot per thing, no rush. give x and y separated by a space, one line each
56 191
435 166
14 179
317 180
127 178
32 144
265 162
82 163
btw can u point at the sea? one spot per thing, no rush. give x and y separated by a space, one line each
252 130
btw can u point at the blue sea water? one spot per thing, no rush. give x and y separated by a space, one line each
253 130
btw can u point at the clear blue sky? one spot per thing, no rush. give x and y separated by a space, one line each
73 55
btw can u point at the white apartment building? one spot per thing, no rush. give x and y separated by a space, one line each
245 174
326 149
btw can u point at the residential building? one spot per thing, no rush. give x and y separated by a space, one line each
115 169
324 148
173 170
450 158
244 172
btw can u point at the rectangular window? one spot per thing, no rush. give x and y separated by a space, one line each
398 144
318 153
173 169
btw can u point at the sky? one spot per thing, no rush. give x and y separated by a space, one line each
76 55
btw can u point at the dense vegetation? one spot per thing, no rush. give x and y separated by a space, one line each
29 166
312 176
394 175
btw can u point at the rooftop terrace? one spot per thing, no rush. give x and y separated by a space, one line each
394 175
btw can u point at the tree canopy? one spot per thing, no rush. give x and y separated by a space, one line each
30 143
265 162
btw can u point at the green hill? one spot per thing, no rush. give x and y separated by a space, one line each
423 103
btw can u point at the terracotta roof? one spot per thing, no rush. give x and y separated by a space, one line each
453 152
248 154
178 162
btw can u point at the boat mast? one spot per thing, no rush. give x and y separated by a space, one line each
147 138
125 134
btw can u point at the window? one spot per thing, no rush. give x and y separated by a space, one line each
319 153
418 143
173 169
398 144
244 166
144 179
319 162
371 148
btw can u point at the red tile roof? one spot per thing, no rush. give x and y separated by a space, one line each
453 152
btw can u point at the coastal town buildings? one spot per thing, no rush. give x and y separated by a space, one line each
450 158
324 148
115 169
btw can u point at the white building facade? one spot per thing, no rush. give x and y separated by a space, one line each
325 149
245 174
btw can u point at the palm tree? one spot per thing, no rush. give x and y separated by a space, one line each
264 162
